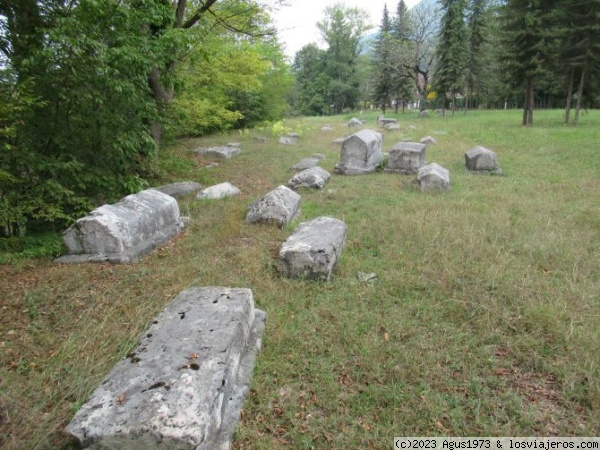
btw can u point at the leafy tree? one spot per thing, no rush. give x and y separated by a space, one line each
451 50
311 81
342 29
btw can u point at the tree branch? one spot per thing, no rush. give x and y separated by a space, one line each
196 17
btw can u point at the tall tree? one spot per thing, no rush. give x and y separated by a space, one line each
451 51
401 33
478 32
382 62
311 83
342 29
524 24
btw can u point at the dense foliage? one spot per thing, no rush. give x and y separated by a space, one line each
87 89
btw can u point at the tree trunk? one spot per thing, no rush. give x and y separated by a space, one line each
529 99
579 95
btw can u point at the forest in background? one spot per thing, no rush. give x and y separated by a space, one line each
89 89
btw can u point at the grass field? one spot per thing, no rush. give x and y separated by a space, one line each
484 319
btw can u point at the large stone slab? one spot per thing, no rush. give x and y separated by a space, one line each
122 232
280 206
360 153
482 160
433 177
179 189
217 191
315 177
225 152
313 250
184 384
406 157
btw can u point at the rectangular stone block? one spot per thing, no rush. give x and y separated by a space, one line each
122 232
406 157
313 250
184 385
360 153
280 206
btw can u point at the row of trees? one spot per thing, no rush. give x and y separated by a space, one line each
459 52
88 88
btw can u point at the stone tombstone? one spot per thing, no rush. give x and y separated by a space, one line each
383 122
122 232
433 177
360 153
179 189
305 163
313 250
217 191
481 160
406 157
391 126
280 206
289 139
319 156
315 177
224 152
184 385
428 140
354 122
326 129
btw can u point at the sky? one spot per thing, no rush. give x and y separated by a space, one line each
297 22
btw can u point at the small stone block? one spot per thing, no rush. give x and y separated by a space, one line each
406 157
433 177
280 206
482 160
313 250
217 191
315 177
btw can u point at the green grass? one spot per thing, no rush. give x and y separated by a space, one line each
484 319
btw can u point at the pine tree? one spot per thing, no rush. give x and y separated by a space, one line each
401 34
451 51
477 23
381 60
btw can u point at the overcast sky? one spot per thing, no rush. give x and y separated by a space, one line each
297 23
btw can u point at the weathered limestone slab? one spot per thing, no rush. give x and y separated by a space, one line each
313 250
122 232
315 177
406 157
184 385
306 163
391 126
326 129
280 206
428 140
482 160
179 189
289 139
382 122
220 190
433 177
360 153
225 152
354 122
319 156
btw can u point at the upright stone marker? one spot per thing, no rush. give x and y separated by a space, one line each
122 232
313 250
480 160
433 177
360 153
184 385
406 157
280 206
